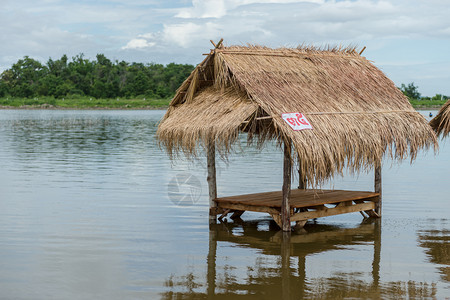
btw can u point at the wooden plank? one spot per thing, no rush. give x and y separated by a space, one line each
304 193
287 169
332 211
331 198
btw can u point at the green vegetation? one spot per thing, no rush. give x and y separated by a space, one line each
82 83
84 102
412 92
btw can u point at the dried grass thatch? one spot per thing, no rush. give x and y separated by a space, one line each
357 113
441 123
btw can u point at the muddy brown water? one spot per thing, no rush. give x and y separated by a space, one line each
92 208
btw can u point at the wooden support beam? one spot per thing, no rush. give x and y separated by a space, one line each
237 214
362 50
277 219
287 170
378 188
371 213
316 207
333 211
243 207
212 186
302 183
300 224
219 43
344 203
224 214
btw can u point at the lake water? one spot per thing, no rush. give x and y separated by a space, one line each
92 208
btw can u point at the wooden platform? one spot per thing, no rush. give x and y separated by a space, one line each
304 204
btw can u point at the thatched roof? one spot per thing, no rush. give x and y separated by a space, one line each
357 113
441 123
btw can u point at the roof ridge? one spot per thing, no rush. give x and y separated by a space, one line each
289 53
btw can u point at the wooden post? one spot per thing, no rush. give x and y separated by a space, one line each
301 181
378 187
285 206
212 186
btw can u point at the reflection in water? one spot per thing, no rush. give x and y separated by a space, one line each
85 213
288 278
437 245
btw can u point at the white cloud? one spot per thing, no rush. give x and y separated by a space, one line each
138 43
220 8
187 34
204 9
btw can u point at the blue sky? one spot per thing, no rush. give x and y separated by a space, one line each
409 40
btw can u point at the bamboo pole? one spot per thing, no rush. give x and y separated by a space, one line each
285 206
378 187
212 186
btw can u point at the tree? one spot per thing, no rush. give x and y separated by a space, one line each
100 78
24 77
411 91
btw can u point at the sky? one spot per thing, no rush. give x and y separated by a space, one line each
409 40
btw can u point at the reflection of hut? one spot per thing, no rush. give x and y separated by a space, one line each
356 114
441 123
287 276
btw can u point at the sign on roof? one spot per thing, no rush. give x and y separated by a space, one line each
297 121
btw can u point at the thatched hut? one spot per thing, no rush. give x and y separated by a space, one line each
329 108
441 123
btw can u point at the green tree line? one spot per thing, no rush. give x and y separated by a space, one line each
412 92
99 78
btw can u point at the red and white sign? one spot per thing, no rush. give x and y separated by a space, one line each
297 121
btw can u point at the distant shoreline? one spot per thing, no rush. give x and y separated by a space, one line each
49 107
84 103
425 107
162 107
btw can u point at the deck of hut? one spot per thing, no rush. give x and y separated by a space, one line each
304 204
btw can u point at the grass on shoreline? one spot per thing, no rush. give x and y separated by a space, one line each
83 103
427 103
122 103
